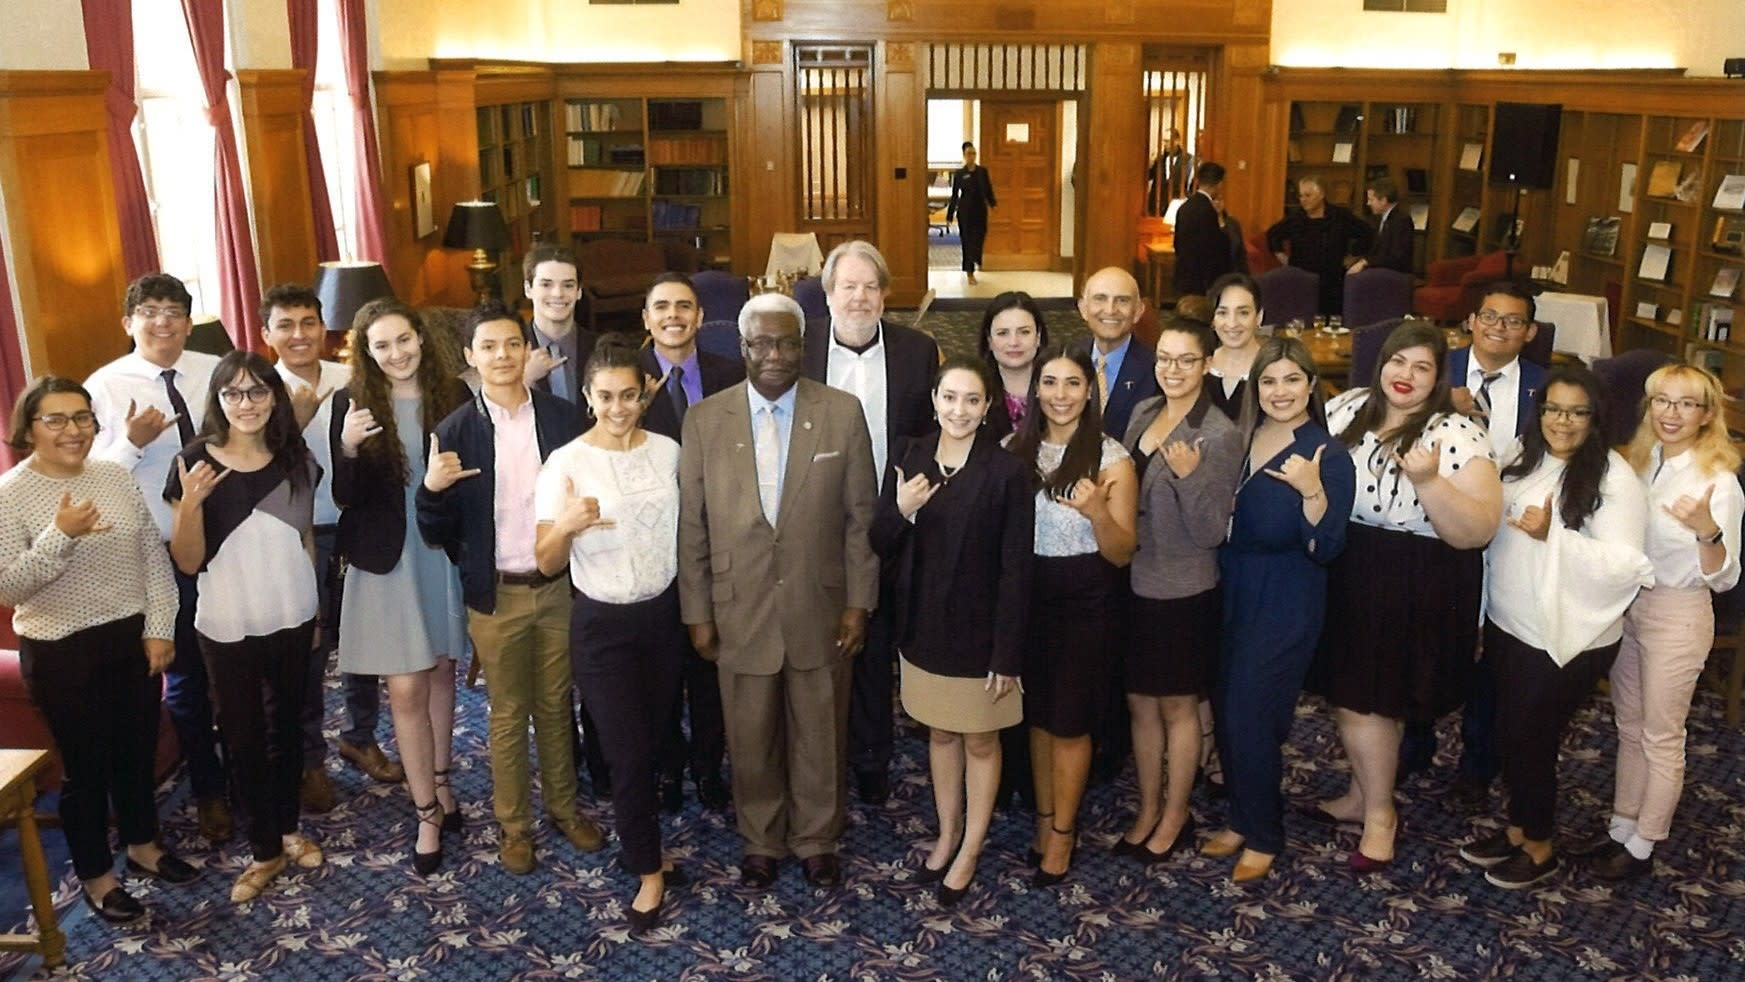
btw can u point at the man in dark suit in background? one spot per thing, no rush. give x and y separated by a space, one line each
1495 385
1392 248
777 577
1202 249
672 316
889 368
1167 177
1126 370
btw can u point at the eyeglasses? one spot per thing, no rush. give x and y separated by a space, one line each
763 347
1186 363
1568 414
1514 322
156 313
84 419
1685 407
254 393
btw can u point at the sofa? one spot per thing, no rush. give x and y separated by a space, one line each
1453 288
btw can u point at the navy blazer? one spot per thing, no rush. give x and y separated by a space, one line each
718 372
911 359
1532 384
1202 248
462 520
1135 383
372 517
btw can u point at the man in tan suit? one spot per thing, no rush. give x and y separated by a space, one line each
776 580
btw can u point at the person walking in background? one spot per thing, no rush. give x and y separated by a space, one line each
94 608
972 194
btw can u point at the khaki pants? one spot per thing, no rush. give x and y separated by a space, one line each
1667 635
524 651
787 738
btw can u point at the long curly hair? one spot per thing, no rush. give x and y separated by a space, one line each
440 389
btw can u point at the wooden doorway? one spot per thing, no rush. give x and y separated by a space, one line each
1019 144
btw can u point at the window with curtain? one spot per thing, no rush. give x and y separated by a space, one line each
175 149
334 131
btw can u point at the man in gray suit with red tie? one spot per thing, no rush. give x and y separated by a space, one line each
776 580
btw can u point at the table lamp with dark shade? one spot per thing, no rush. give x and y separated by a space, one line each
478 225
344 287
209 336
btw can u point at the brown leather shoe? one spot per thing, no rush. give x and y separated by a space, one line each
515 852
214 820
370 759
823 870
757 872
582 833
317 792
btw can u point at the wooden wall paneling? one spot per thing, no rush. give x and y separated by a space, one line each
272 125
1112 159
426 116
899 145
65 237
1177 21
768 144
1245 125
455 178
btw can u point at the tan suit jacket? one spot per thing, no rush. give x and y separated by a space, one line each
776 595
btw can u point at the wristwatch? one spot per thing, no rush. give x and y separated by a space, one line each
1711 540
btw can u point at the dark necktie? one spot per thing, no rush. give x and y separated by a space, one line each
1482 401
184 422
675 385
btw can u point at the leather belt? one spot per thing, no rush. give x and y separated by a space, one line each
535 578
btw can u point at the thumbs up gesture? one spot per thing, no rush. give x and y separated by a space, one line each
444 468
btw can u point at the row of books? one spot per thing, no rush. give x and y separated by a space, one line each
672 215
698 150
593 117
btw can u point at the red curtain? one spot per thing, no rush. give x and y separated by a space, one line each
372 239
239 288
109 47
11 359
304 15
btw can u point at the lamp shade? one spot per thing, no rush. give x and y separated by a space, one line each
209 336
346 287
476 225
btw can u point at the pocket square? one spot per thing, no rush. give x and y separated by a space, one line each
826 455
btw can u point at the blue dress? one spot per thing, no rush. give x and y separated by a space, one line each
402 620
1274 577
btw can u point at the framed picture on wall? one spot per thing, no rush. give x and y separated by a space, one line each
423 208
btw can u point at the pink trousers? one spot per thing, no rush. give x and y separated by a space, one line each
1667 635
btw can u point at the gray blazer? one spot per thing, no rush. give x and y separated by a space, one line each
1183 520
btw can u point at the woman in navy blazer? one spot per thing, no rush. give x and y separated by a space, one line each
956 524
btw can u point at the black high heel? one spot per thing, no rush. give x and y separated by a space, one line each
949 896
451 820
1182 839
426 863
1043 878
1032 855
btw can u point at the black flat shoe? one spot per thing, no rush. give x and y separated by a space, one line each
644 920
116 907
1618 864
170 870
1598 844
672 795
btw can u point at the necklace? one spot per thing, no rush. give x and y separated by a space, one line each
948 471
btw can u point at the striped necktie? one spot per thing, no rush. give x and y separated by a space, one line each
1482 401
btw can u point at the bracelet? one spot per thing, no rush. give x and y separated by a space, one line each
1317 494
1711 540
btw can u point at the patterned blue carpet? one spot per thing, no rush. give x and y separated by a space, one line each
366 916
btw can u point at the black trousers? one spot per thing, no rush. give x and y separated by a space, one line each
625 658
188 694
1535 700
700 692
973 233
871 720
95 689
258 686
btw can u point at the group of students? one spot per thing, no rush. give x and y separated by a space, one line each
1236 543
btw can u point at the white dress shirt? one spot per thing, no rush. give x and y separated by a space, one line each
318 434
1672 548
862 375
1505 396
131 379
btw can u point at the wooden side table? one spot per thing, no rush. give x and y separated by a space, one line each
18 770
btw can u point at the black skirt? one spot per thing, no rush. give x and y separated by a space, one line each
1402 625
1069 663
1172 645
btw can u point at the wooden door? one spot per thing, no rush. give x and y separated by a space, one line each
1020 147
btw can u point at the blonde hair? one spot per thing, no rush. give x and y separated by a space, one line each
1714 451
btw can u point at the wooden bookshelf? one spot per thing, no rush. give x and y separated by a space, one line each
1347 143
515 171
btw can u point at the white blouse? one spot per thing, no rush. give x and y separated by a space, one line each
1061 529
638 557
1385 495
1569 593
1672 548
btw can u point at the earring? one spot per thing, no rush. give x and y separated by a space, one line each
984 421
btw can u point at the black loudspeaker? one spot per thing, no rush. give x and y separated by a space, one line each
1524 144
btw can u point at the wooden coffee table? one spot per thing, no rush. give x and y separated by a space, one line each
18 770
